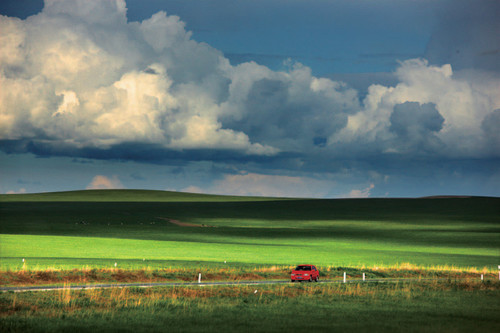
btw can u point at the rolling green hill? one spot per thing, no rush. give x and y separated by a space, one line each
74 229
123 196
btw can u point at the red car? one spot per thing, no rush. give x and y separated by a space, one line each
305 273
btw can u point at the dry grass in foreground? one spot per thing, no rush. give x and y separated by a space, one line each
418 306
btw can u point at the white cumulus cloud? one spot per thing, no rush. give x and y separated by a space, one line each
78 76
462 101
254 184
101 182
20 191
363 193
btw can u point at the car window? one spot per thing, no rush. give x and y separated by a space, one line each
303 268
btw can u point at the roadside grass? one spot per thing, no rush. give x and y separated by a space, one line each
437 306
89 275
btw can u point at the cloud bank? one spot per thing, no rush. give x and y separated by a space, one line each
78 79
253 184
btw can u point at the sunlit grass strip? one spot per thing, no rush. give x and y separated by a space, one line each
284 251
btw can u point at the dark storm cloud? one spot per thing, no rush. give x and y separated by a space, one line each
491 127
415 126
273 115
467 35
132 151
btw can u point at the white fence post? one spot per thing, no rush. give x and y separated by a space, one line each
482 277
344 277
363 276
199 278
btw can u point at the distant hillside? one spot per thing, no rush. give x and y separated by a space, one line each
61 229
154 196
126 196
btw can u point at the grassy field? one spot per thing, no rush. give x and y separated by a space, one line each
446 306
132 228
151 236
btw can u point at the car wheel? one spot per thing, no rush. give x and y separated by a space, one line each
293 281
317 279
310 279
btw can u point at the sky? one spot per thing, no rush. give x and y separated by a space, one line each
294 98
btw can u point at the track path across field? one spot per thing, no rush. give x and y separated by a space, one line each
202 284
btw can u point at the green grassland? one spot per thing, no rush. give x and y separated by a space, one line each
445 306
78 237
98 228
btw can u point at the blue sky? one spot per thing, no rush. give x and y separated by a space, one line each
328 36
322 98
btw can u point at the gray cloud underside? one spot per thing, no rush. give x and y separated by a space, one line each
79 80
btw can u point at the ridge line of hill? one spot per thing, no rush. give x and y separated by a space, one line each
135 195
